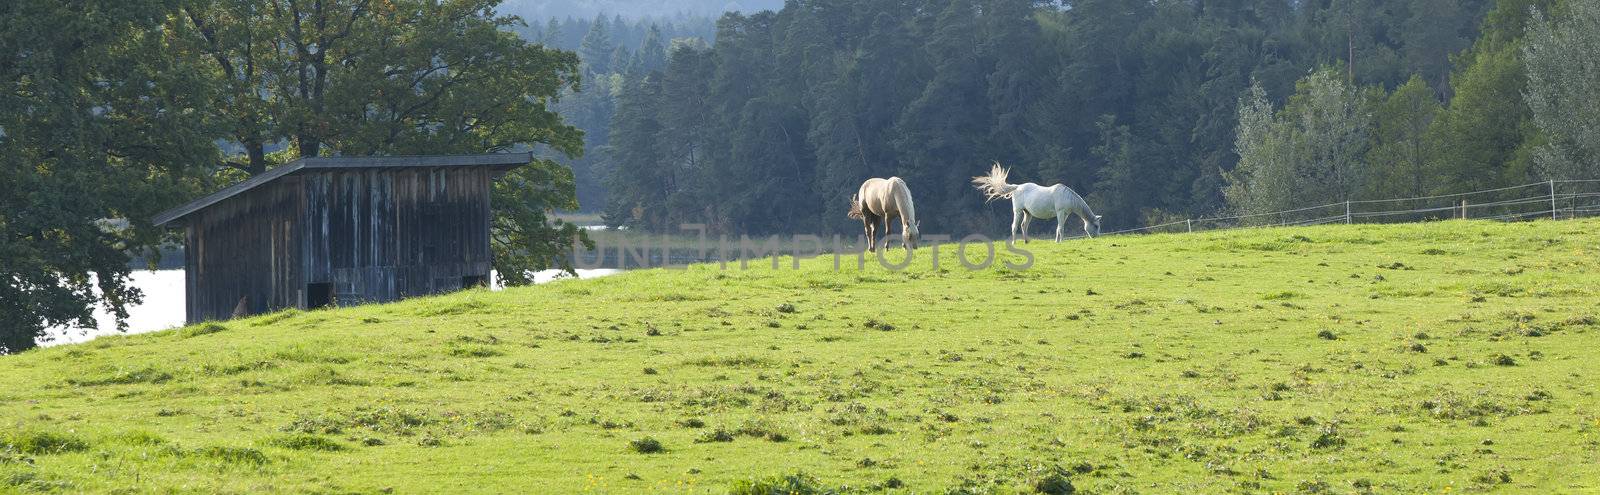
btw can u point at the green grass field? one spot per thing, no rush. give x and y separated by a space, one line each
1431 358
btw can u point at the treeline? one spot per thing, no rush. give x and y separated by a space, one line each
611 49
544 9
1518 113
1136 104
622 36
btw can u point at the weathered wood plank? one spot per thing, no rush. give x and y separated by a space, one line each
374 234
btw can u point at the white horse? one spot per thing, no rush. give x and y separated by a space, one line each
879 199
1034 201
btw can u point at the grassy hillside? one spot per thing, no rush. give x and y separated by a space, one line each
1439 358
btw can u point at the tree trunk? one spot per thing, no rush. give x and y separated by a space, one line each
258 158
309 145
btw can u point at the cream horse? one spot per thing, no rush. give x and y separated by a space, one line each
880 199
1034 201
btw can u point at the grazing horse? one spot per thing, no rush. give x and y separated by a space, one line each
880 199
1035 201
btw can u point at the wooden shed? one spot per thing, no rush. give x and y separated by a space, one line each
353 230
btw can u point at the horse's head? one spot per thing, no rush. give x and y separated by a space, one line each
1092 226
913 231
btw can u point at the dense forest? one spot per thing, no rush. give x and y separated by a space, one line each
612 49
1151 109
544 9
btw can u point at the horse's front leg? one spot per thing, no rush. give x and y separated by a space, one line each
879 231
1061 226
884 231
904 234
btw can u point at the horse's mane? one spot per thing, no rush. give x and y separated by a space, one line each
908 211
1077 199
855 207
994 185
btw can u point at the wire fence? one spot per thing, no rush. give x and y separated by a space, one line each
1553 199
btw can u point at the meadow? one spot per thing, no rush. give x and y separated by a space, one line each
1449 357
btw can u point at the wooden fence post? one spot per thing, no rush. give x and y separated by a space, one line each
1347 211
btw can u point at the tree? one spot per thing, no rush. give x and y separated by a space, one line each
621 61
1435 30
1119 178
639 179
1263 181
596 49
1486 136
1309 152
1399 156
686 127
98 131
356 77
928 89
552 34
940 133
1563 64
652 54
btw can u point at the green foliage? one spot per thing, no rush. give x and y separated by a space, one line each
109 119
98 131
596 50
1486 136
648 42
1563 60
412 78
1133 105
525 238
1399 158
1311 152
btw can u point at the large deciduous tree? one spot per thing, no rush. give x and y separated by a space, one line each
1262 181
1486 135
1309 152
371 77
98 131
1563 62
1399 157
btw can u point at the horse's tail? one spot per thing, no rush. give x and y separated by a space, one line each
855 207
994 185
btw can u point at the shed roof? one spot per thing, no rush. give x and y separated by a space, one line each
503 161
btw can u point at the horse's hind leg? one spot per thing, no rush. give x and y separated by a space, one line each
1026 219
1061 226
1016 223
867 224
